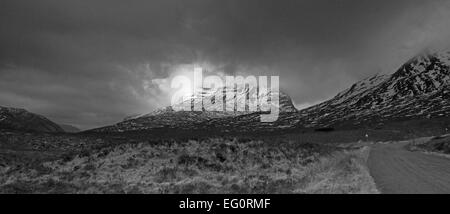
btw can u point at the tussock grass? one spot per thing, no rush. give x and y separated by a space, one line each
200 166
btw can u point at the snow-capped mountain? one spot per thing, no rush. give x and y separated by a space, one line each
20 119
204 120
419 89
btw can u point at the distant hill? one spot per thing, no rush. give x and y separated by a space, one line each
21 119
69 128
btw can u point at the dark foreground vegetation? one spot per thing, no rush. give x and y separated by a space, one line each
299 161
68 163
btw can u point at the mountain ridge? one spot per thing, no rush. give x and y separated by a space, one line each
420 87
184 120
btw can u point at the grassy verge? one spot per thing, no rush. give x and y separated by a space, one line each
342 172
439 145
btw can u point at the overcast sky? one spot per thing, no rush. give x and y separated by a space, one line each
91 63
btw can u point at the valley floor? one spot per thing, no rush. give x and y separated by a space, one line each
53 163
215 165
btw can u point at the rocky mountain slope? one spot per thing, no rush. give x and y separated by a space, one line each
226 121
418 89
20 119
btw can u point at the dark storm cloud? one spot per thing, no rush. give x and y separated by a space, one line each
90 63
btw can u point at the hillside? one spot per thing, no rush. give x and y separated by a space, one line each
418 89
21 119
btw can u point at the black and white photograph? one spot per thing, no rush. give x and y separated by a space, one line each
229 97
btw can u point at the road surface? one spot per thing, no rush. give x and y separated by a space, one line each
397 170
